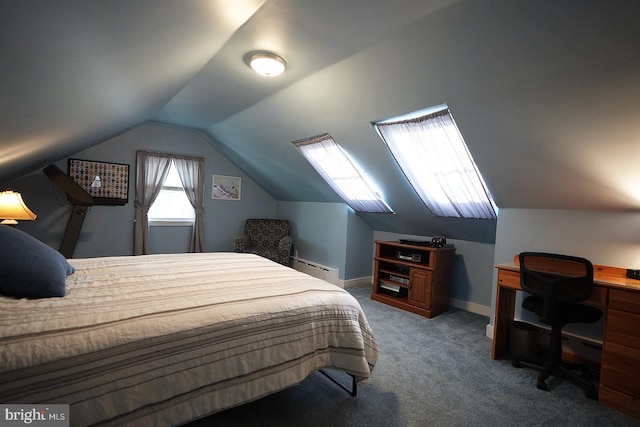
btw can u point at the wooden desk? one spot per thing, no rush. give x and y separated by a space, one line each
620 296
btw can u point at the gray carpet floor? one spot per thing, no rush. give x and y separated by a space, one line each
431 372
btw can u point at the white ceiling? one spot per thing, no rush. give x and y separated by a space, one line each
546 93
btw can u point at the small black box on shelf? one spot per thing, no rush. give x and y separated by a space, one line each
402 269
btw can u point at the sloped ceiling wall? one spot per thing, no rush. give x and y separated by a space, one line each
75 73
546 94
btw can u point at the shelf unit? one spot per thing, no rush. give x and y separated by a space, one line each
413 278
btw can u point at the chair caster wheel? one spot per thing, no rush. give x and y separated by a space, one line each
542 385
516 363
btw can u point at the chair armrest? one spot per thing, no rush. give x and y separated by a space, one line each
284 246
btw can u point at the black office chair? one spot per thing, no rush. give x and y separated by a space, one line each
557 284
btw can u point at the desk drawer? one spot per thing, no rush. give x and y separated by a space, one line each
621 369
620 401
623 328
620 299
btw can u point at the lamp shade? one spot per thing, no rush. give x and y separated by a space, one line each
267 64
12 208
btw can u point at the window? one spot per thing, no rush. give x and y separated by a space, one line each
431 152
171 207
168 178
334 165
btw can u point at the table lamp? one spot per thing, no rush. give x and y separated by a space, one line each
12 208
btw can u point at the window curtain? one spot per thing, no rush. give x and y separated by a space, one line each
433 156
191 173
151 171
333 164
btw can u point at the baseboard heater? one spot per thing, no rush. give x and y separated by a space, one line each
314 269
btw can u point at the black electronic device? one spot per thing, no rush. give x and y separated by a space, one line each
408 256
402 269
633 274
393 290
415 242
438 241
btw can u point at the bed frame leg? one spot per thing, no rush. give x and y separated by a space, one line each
354 385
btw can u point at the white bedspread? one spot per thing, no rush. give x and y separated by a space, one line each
162 339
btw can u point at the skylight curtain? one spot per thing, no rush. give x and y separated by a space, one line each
433 156
333 164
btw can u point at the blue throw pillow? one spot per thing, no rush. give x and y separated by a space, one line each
29 268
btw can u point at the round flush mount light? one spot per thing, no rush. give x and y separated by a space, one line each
267 64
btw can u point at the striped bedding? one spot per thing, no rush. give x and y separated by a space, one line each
164 339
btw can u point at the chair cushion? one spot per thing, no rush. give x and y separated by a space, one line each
266 237
266 233
567 312
29 268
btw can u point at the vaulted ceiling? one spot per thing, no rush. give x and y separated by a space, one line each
546 93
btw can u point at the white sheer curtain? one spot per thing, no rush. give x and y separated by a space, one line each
432 154
333 164
191 173
151 171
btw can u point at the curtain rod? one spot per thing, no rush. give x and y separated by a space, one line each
312 139
169 155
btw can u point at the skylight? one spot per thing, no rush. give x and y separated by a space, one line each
334 165
435 159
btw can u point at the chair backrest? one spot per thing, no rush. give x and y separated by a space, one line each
555 277
266 232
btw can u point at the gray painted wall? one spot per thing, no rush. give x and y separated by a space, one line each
318 231
330 234
108 230
327 233
606 238
359 262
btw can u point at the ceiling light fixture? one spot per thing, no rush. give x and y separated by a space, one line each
267 64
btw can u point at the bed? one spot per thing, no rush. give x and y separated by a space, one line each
165 339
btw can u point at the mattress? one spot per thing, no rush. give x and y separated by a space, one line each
164 339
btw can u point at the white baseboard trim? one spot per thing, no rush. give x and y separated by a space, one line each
488 331
480 309
470 306
354 283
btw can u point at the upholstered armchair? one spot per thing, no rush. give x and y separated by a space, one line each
266 237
